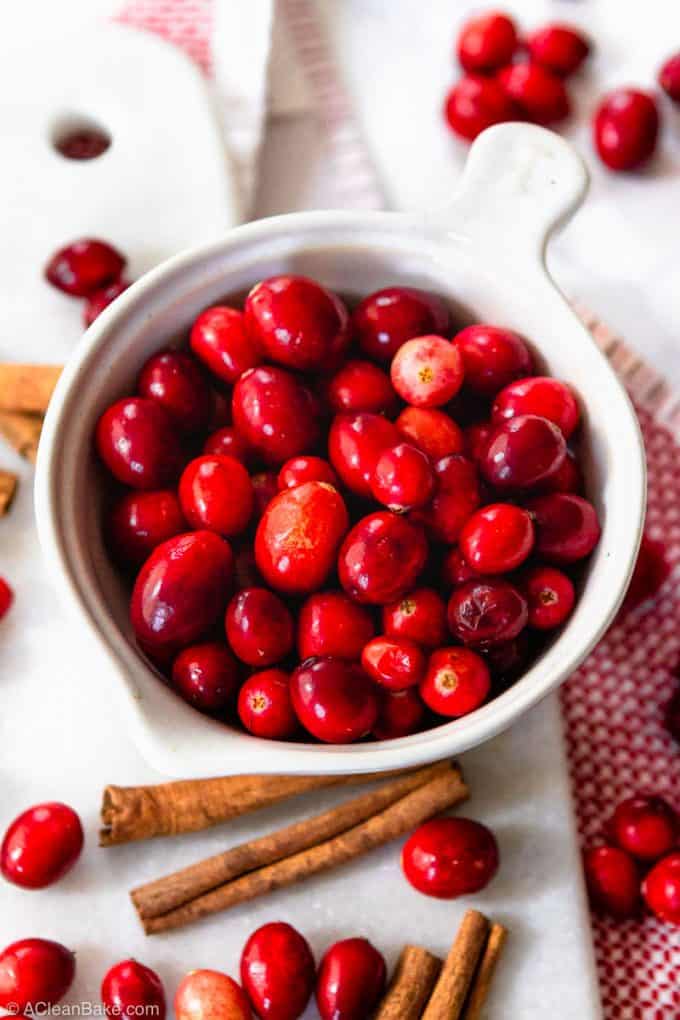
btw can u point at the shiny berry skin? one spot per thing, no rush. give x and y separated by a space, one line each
355 443
351 980
41 846
661 889
265 707
299 470
259 627
334 700
457 496
450 857
210 995
540 95
175 381
278 972
542 396
34 972
431 430
228 442
181 591
220 340
626 128
492 357
567 478
613 881
381 558
487 612
486 42
297 322
651 570
477 439
560 48
400 713
669 78
215 492
456 570
497 538
403 478
567 528
550 596
386 319
101 299
361 386
6 597
395 663
330 623
456 682
137 440
419 616
476 103
645 826
84 266
522 452
427 371
206 676
265 487
130 989
274 413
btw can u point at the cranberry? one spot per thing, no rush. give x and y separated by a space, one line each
394 663
6 597
646 827
174 380
432 431
492 357
355 442
403 478
483 612
400 713
567 528
669 77
298 537
34 973
651 570
216 493
477 439
487 42
542 396
550 597
82 143
330 623
476 103
140 521
136 440
41 846
361 386
522 452
210 995
508 659
419 616
613 881
560 48
228 442
449 857
626 128
427 371
101 299
130 989
385 320
456 570
84 266
265 487
456 498
181 591
661 889
265 707
278 972
259 627
334 700
381 558
351 980
220 340
297 322
299 470
274 413
207 676
457 681
539 94
497 538
567 478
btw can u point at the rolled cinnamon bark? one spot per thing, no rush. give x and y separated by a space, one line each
482 981
27 388
414 978
22 431
8 488
448 997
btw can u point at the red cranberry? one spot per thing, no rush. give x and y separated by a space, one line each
181 591
567 478
82 143
334 700
661 889
483 612
542 396
206 676
476 103
400 713
175 381
278 972
274 413
449 857
626 128
646 827
361 386
140 521
560 48
497 538
477 439
492 357
403 478
101 299
419 616
381 558
299 470
385 320
432 431
41 846
427 371
330 623
216 493
137 441
84 266
227 442
394 663
613 881
651 570
456 498
130 989
487 42
265 487
351 980
297 322
550 597
265 707
259 627
508 660
298 537
210 995
457 681
522 452
539 94
456 570
355 442
34 973
220 340
669 77
567 528
6 597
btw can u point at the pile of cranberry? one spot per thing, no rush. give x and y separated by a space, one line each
348 523
90 269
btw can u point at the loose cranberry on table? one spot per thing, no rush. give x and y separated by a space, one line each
626 128
331 623
265 707
613 881
449 857
567 527
260 628
542 396
101 299
84 266
381 558
220 340
278 972
487 612
431 430
334 700
476 103
558 47
175 381
497 538
215 492
651 570
457 496
228 442
355 443
351 980
41 845
419 616
400 713
130 989
274 413
661 889
35 973
427 371
140 521
457 681
6 597
299 470
523 452
137 441
550 596
403 478
207 676
646 826
669 78
210 995
394 663
486 42
492 357
539 95
385 320
361 386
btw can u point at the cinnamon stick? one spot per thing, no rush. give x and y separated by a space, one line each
484 976
414 978
27 388
435 796
22 431
172 891
8 488
448 998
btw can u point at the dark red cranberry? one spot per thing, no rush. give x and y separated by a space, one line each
220 340
669 78
395 663
265 487
613 881
361 386
645 826
449 857
477 439
538 93
6 597
522 452
492 357
567 478
351 980
487 42
403 478
216 493
560 48
550 596
427 371
274 413
661 889
334 700
626 128
456 682
299 470
137 441
41 846
400 713
83 143
476 103
130 989
101 299
330 623
651 570
265 707
381 558
497 538
207 676
278 972
457 496
542 396
355 442
259 627
84 266
567 528
176 382
431 430
487 612
419 616
508 660
456 570
228 442
385 320
34 973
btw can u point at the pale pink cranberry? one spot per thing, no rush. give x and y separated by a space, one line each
331 623
395 663
355 443
497 538
561 48
210 995
403 478
334 700
385 320
550 596
542 396
476 103
259 627
456 682
361 386
206 676
419 616
540 95
175 381
220 340
487 42
400 713
427 371
84 266
669 78
265 707
626 128
492 357
567 527
431 430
